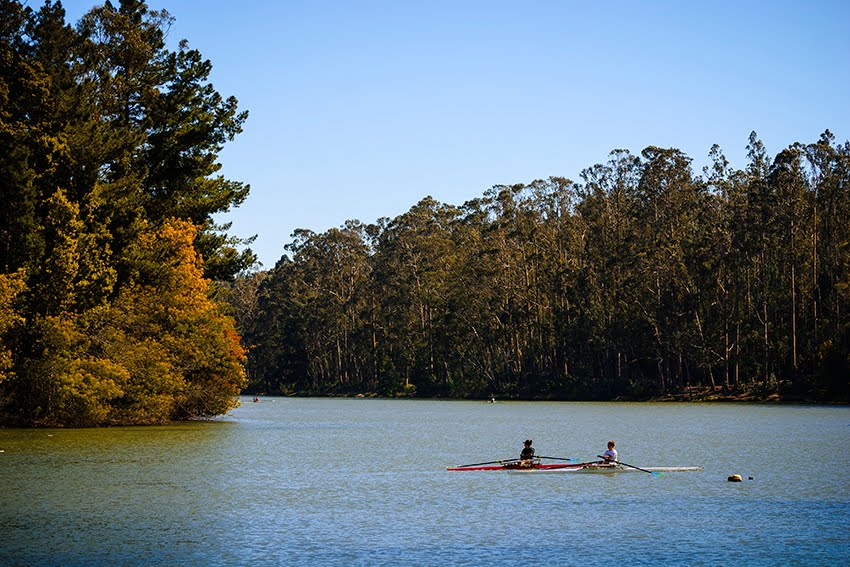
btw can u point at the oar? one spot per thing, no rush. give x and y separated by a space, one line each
487 463
654 473
555 458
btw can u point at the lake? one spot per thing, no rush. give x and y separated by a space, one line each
363 482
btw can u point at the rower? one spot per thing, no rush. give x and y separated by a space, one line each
610 456
526 458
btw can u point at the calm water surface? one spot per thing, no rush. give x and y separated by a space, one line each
363 482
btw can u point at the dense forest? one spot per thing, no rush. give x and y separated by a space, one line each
108 250
642 280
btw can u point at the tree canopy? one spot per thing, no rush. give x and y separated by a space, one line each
642 280
108 250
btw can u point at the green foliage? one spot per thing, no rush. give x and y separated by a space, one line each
643 280
107 138
161 350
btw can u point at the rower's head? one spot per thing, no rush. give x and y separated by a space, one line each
611 444
528 442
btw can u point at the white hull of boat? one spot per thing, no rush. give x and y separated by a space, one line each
606 470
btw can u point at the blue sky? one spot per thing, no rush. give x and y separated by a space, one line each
359 109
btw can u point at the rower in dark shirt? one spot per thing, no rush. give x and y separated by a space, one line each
527 456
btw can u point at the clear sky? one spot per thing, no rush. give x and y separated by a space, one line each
358 109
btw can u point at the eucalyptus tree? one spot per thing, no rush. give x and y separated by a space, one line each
554 203
828 170
611 261
412 257
470 300
760 246
277 359
787 178
670 199
329 276
506 247
643 280
729 285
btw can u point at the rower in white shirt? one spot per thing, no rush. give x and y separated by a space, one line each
610 456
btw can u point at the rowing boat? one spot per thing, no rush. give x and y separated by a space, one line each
592 468
511 466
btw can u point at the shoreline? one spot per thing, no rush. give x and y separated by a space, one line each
695 395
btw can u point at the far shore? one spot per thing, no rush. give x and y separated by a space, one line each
693 395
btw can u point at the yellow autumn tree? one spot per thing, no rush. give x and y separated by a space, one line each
180 350
59 380
10 286
74 386
162 349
